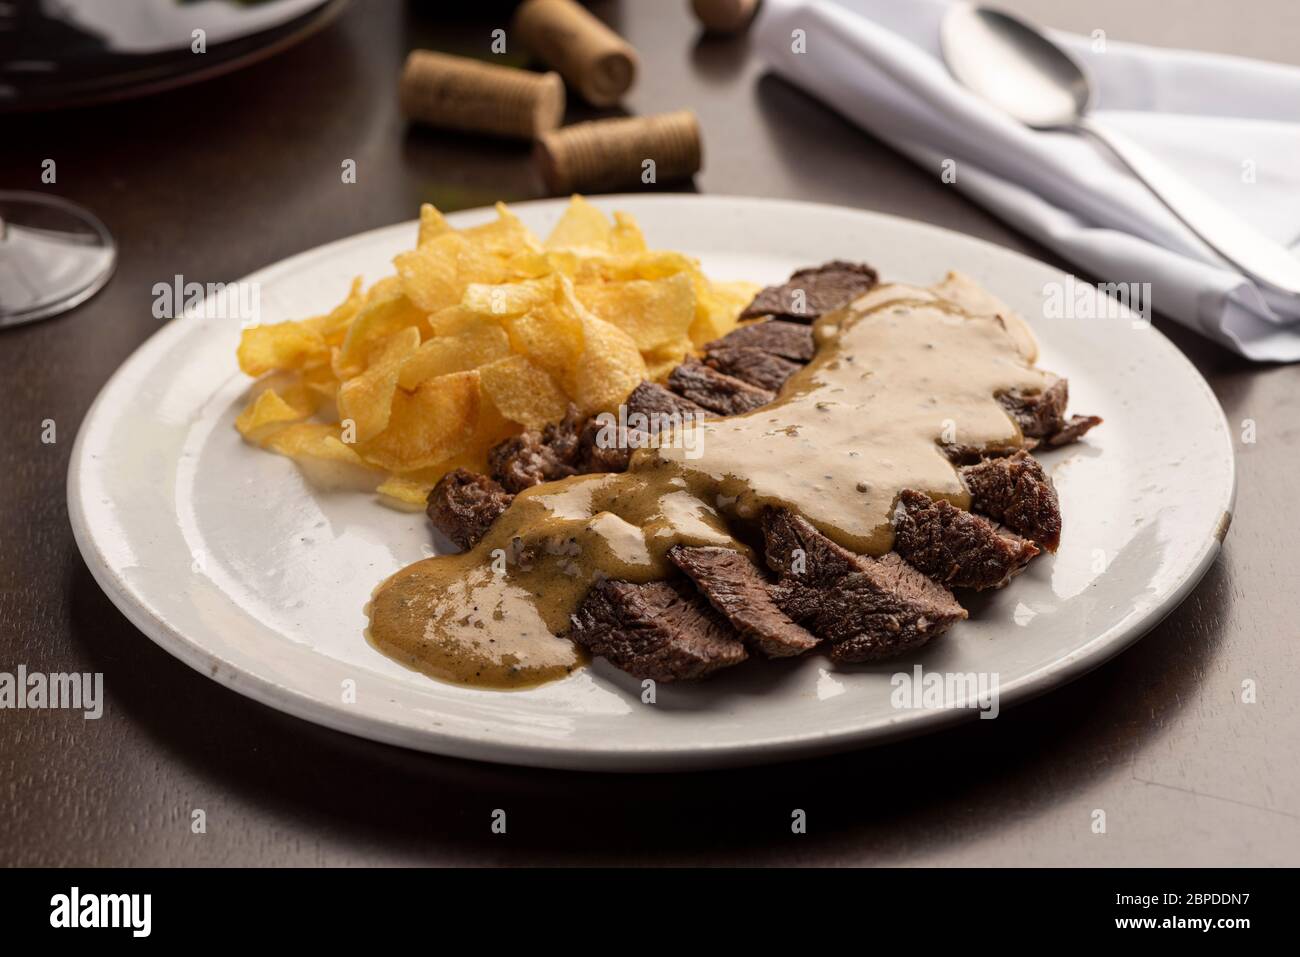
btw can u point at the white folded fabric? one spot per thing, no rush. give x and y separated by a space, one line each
1229 125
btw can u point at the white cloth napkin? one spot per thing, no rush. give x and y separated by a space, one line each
1215 119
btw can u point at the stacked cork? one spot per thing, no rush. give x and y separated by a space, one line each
466 94
610 154
592 58
459 93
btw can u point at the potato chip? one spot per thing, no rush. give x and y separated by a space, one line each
375 322
663 359
479 332
610 367
475 346
428 426
582 228
314 440
322 457
509 298
283 345
625 239
266 414
506 236
430 273
432 224
652 313
367 399
410 495
335 322
719 310
656 264
321 380
528 264
551 337
524 392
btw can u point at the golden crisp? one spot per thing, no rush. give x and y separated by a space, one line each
477 334
523 392
652 313
429 425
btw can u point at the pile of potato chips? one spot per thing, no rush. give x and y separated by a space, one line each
481 333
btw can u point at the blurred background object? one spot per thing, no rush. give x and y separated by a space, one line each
724 16
593 59
461 93
53 256
57 54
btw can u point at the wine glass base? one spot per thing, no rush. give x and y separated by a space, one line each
54 255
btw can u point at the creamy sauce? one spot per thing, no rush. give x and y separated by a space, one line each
896 373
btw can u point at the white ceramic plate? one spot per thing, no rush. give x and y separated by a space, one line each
229 559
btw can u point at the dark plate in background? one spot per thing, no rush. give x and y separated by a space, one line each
60 53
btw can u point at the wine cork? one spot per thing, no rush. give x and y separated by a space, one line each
611 154
459 93
592 58
724 16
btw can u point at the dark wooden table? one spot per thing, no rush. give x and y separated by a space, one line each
218 180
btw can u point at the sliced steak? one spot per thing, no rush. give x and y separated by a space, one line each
1016 491
789 340
866 608
594 457
812 292
737 587
531 458
959 454
661 630
717 392
1039 414
1073 430
463 506
650 397
752 365
955 547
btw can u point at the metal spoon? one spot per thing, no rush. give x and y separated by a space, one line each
1013 66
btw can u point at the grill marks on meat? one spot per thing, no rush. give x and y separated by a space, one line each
661 630
737 587
955 547
1016 491
812 292
463 506
866 608
723 394
752 365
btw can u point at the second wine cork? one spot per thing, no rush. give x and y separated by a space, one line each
612 154
592 58
724 16
460 93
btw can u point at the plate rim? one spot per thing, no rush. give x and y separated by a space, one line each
566 755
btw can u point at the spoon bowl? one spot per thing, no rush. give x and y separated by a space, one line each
1019 70
1014 67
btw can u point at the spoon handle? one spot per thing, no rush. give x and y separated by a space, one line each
1227 234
